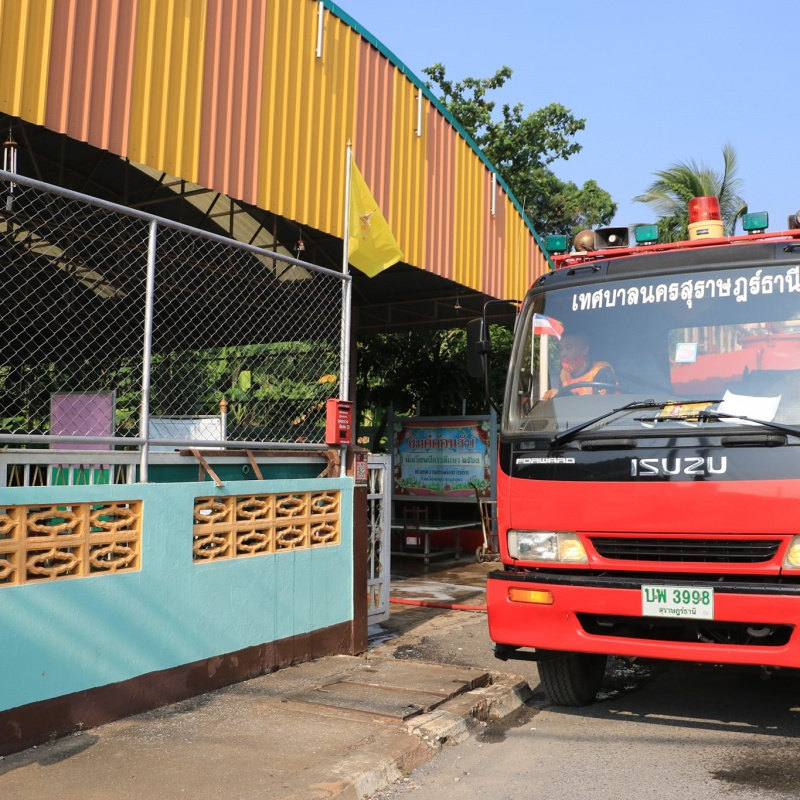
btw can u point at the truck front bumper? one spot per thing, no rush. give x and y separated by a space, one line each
754 623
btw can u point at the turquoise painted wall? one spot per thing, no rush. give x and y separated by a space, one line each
74 634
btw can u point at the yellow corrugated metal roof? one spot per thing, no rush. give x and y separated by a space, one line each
235 97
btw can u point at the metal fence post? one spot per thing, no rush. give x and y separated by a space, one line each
147 353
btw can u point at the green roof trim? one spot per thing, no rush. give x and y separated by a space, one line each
403 68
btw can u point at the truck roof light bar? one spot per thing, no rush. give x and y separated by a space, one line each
757 222
790 237
646 234
705 218
555 244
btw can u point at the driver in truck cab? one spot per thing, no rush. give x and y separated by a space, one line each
577 367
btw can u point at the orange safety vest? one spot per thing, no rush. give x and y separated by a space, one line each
567 379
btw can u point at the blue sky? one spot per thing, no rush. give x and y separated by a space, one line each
656 82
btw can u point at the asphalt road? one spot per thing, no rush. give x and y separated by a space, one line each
657 730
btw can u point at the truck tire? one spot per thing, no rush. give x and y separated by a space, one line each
572 679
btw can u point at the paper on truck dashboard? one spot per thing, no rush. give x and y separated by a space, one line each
741 405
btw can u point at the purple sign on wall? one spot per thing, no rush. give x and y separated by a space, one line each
90 414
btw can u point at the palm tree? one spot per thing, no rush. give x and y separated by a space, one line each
673 188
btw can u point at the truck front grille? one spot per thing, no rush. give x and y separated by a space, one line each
709 632
715 551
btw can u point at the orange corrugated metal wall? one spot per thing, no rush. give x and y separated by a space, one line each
234 97
440 192
409 161
373 139
232 89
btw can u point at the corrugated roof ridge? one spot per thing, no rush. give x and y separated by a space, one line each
405 70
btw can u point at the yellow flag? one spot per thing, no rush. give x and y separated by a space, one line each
372 246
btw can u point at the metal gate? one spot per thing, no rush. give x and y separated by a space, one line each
378 557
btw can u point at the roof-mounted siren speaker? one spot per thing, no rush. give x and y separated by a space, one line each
610 237
584 241
794 221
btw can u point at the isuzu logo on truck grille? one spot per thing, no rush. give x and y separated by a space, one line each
688 465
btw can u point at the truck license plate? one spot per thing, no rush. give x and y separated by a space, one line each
677 601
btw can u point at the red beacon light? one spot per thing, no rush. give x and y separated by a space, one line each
705 219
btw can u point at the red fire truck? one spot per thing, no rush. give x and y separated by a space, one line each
648 488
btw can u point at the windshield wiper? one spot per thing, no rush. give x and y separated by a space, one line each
569 433
792 430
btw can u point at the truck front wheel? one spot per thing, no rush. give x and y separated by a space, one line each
572 679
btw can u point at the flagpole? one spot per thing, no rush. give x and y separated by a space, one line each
347 300
347 294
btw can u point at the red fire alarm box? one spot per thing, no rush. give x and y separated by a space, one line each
338 421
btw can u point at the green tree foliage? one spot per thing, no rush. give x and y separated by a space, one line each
271 385
522 146
273 390
669 194
425 370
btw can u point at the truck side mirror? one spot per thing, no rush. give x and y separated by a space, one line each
478 348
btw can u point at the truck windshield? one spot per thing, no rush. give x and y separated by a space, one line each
725 340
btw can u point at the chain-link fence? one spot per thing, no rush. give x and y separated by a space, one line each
120 328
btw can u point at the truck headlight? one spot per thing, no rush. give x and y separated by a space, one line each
557 546
792 558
